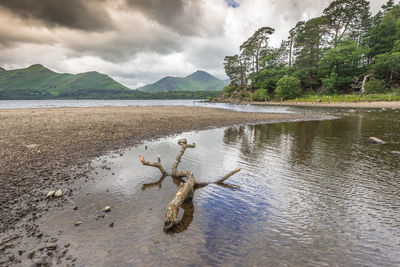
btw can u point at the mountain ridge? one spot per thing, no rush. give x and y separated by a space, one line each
37 82
197 81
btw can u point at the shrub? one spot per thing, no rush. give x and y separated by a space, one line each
260 95
229 88
288 88
375 86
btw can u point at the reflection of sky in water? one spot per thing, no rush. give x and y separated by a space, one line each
310 193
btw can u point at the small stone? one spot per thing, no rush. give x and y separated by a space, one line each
111 224
58 193
108 167
20 252
78 223
106 209
31 254
31 146
375 140
352 111
51 246
50 194
75 208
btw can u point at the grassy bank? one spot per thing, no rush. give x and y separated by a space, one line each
347 98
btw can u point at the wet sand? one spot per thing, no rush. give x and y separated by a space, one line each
44 149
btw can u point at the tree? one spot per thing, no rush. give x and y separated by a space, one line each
252 48
309 44
292 37
387 67
235 69
288 88
340 66
345 15
382 36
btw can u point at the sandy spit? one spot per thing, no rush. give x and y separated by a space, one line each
41 149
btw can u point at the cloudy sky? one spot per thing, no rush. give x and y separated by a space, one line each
140 41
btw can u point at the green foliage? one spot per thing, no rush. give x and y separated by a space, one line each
230 88
197 81
288 88
375 86
260 95
340 66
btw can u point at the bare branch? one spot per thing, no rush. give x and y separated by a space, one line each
183 143
154 164
220 181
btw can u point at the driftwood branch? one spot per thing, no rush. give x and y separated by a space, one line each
154 164
186 188
183 143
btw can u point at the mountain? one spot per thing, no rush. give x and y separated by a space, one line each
197 81
1 69
38 82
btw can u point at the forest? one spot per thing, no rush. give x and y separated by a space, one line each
347 50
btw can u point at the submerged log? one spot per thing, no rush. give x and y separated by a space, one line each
186 188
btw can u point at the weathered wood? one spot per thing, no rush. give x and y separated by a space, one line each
186 188
154 164
183 143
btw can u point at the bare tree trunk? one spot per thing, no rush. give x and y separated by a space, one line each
363 83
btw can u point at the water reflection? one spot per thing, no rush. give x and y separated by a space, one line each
311 193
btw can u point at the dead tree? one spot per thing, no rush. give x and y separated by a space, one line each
186 188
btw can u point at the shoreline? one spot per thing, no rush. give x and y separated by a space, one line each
45 149
373 104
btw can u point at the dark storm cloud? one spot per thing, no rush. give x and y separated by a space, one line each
185 17
75 14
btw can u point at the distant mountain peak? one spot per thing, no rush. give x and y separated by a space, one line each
37 66
197 81
201 75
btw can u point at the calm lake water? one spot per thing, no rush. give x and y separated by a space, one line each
311 193
8 104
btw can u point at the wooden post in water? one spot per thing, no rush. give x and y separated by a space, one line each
329 100
345 99
281 101
296 100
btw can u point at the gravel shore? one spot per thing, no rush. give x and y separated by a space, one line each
44 148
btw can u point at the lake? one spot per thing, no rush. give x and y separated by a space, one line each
8 104
309 193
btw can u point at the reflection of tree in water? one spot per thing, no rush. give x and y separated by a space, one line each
254 141
187 206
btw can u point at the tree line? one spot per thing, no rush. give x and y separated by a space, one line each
346 50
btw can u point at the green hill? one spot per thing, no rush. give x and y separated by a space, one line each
38 82
197 81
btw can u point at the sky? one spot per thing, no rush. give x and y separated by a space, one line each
137 42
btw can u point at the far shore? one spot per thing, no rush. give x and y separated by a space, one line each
46 148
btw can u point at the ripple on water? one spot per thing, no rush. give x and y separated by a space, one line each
311 193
